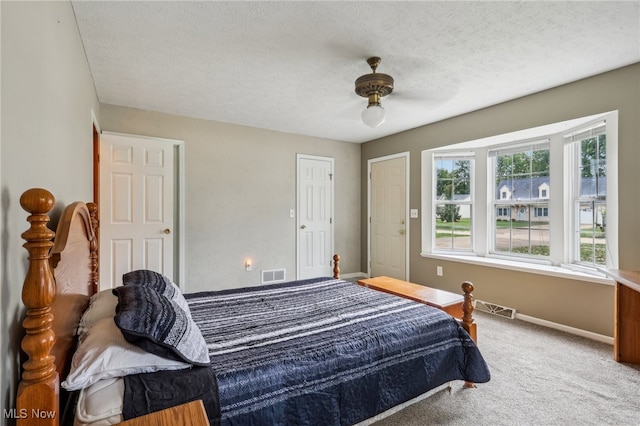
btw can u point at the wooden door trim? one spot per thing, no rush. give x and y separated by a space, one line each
96 157
96 165
95 126
406 155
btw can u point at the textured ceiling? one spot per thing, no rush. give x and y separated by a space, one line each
291 66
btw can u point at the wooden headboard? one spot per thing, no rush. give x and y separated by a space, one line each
61 277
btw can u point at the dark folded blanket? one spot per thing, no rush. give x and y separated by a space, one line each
150 392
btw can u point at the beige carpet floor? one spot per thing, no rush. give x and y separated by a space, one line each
540 376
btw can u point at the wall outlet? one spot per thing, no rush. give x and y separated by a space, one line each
439 271
414 213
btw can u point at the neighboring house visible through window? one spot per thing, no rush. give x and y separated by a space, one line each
588 147
548 198
522 172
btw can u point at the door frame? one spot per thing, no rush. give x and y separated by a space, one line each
96 132
179 202
406 155
297 211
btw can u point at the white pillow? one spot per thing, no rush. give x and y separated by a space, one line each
101 305
104 353
100 401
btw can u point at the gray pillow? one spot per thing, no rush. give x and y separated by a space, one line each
158 325
159 283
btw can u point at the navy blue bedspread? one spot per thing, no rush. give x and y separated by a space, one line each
326 352
150 392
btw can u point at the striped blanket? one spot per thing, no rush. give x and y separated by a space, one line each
326 352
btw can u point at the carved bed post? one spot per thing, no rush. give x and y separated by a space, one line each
95 273
467 318
336 266
39 388
467 311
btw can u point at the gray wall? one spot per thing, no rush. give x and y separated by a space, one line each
240 185
47 99
574 303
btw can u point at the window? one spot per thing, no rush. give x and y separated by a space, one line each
589 149
504 212
540 195
522 170
541 212
453 205
543 191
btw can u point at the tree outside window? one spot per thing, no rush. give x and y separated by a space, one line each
453 203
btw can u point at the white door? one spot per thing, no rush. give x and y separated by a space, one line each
315 211
136 206
388 218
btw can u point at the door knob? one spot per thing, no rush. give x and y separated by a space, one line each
167 231
303 226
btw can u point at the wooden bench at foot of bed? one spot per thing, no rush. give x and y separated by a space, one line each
456 305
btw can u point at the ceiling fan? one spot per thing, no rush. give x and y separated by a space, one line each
426 87
374 86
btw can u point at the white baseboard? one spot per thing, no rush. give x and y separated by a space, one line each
572 330
354 275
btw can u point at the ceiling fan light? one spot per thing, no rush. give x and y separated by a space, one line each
374 86
373 115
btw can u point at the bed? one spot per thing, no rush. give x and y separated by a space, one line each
320 351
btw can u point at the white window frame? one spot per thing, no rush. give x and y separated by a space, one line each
560 259
493 152
572 189
455 156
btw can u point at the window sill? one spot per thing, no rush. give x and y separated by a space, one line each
532 268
